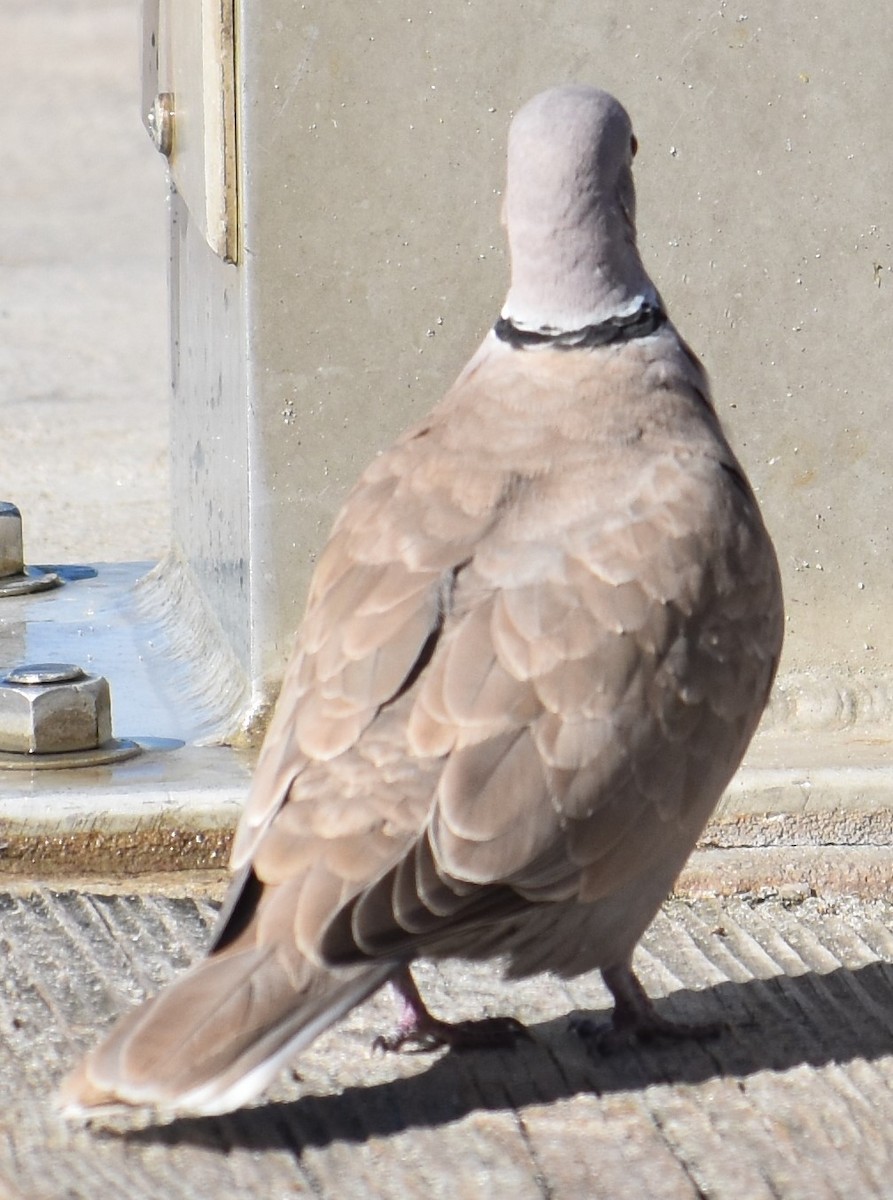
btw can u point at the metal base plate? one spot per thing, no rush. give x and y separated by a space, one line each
23 585
114 750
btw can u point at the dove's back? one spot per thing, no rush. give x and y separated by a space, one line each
536 646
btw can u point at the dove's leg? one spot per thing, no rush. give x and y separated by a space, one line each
635 1018
418 1030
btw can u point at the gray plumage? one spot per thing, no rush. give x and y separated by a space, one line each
536 647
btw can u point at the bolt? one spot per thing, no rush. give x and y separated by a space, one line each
15 578
50 708
12 561
160 120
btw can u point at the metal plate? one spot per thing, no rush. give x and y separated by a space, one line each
23 585
115 750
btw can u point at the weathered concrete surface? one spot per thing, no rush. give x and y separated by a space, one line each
822 823
794 1100
84 359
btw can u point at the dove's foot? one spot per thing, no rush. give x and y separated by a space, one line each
418 1031
635 1019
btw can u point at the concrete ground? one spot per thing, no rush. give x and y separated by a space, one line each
793 1100
83 292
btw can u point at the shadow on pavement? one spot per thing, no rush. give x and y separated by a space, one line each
773 1024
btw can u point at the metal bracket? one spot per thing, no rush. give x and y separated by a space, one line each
189 108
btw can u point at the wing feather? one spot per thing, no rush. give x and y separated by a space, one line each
490 709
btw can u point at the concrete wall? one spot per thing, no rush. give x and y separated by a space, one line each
371 160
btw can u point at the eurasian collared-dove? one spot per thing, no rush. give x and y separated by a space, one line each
536 647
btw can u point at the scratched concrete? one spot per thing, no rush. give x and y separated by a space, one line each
793 1100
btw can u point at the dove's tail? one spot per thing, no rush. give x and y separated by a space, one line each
217 1037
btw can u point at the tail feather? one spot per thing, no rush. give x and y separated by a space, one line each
215 1038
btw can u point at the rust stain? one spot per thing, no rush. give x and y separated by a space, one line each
126 853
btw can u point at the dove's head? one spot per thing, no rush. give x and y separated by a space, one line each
570 210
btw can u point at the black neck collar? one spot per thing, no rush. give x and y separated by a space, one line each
646 319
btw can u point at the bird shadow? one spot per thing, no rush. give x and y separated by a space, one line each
768 1024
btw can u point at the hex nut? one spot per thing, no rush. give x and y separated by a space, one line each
12 560
51 718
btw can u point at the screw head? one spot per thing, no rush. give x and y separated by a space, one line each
49 708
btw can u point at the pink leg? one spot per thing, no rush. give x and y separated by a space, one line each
417 1030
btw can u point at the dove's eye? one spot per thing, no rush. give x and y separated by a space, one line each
633 146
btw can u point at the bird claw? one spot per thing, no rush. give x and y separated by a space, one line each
635 1019
408 1042
490 1033
419 1032
610 1037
